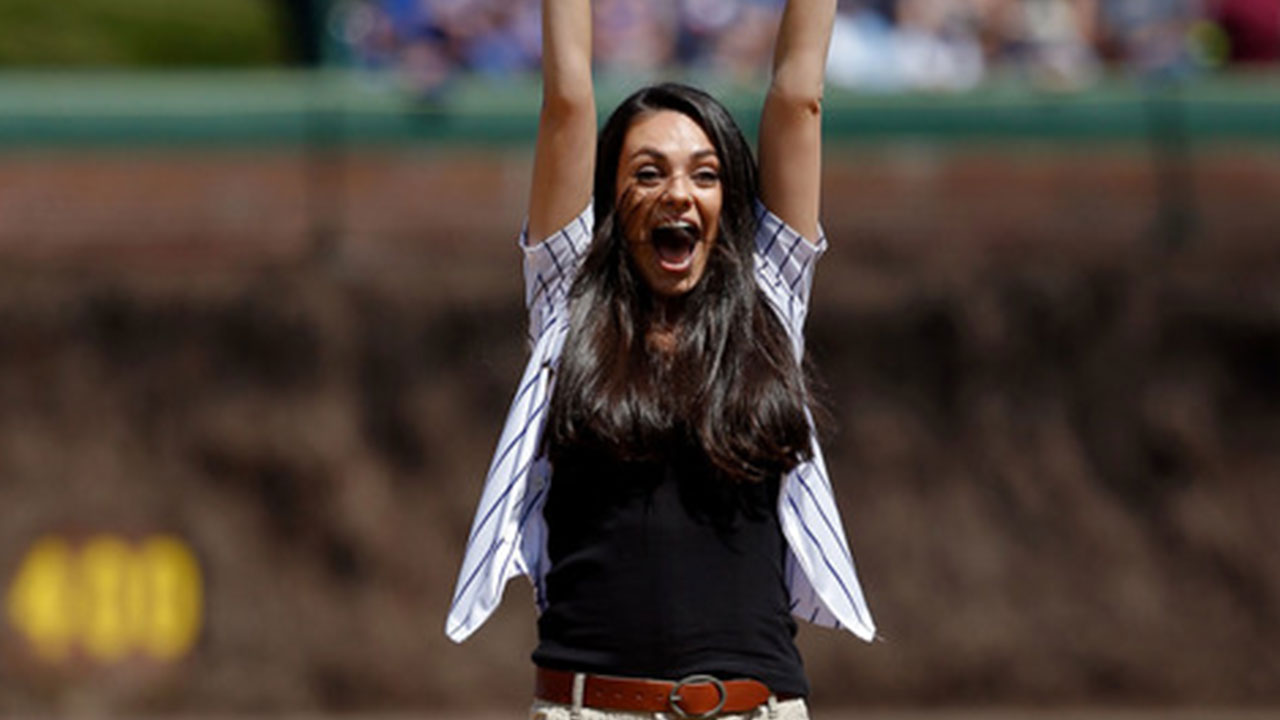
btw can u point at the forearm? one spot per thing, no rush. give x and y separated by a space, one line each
564 157
566 51
791 123
800 55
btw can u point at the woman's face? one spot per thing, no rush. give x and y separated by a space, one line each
669 198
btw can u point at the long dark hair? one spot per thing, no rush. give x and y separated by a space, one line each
731 386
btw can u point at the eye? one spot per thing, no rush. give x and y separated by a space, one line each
647 174
706 176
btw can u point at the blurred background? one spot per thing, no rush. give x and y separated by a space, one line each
260 319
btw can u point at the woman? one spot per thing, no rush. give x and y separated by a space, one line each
657 478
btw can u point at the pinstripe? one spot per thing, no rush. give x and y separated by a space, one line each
529 386
822 553
800 273
497 464
462 588
817 504
819 469
772 240
551 252
542 290
824 587
779 278
493 506
524 518
584 228
791 251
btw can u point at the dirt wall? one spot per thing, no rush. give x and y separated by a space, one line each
1052 377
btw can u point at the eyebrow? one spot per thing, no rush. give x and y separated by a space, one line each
654 152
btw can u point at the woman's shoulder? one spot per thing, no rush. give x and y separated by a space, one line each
775 235
576 233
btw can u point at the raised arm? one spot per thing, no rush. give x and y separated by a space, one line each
791 123
564 157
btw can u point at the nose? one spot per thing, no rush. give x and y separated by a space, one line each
678 192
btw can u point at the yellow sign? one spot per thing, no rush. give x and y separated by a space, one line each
110 598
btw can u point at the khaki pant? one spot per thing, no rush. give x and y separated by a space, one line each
772 710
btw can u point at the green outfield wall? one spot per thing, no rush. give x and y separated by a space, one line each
289 107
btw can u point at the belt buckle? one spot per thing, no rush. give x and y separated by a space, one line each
674 699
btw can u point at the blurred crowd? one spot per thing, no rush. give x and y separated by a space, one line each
877 44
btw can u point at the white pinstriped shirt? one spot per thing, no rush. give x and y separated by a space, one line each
509 535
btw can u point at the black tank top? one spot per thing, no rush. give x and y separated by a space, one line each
665 569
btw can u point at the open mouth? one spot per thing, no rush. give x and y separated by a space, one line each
674 244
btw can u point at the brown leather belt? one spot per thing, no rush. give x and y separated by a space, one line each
697 696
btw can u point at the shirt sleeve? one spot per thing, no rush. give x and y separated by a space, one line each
549 269
784 261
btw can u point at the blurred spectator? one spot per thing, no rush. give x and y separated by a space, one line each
1065 32
939 43
742 50
701 22
864 47
1152 35
919 44
1050 41
877 44
635 35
